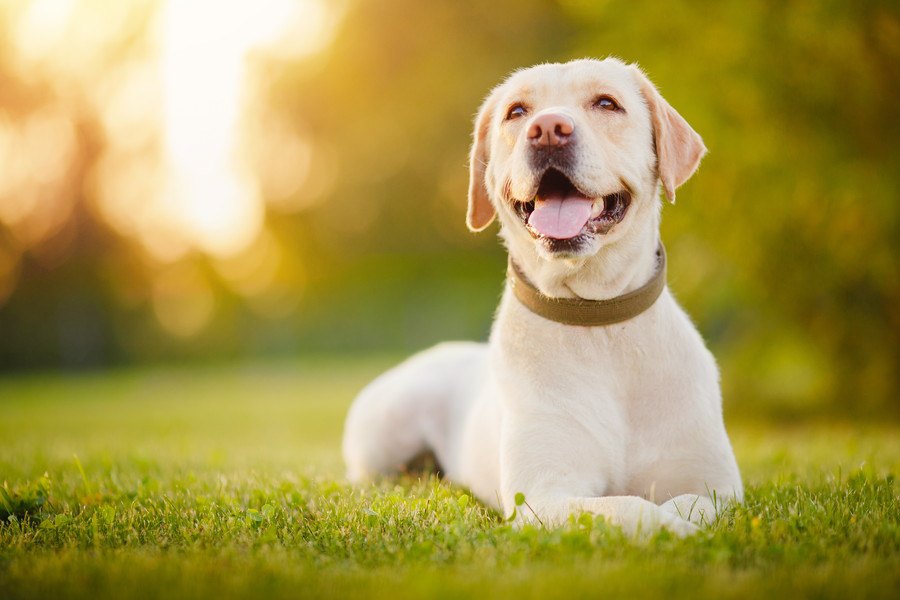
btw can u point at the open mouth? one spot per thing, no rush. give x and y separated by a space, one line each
560 211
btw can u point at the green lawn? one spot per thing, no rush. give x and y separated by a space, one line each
226 482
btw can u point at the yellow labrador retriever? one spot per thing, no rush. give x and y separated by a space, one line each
595 392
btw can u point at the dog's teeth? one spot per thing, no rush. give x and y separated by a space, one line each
597 208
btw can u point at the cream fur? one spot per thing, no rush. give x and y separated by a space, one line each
623 421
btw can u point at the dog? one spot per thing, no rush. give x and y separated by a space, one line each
583 399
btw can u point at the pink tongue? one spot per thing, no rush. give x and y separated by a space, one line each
560 218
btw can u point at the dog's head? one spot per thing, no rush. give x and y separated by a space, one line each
571 155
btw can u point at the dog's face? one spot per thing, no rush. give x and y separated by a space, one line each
570 155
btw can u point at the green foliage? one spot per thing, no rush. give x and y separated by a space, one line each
783 248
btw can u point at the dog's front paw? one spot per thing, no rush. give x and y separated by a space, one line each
677 525
699 510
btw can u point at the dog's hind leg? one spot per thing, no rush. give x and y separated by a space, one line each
414 411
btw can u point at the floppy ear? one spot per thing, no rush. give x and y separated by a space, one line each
481 212
678 147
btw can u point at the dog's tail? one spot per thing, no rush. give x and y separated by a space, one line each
409 418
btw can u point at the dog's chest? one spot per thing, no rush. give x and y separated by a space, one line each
633 388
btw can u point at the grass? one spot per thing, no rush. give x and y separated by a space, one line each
226 482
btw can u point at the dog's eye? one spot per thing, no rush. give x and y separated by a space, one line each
515 111
606 103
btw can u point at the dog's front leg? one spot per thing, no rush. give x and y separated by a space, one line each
551 470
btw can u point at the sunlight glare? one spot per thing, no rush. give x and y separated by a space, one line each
42 26
214 199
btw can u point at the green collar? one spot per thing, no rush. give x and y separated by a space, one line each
590 313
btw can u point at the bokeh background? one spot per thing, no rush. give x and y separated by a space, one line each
201 181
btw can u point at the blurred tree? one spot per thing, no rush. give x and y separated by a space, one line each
782 247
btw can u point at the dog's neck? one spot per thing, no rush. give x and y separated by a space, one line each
618 268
